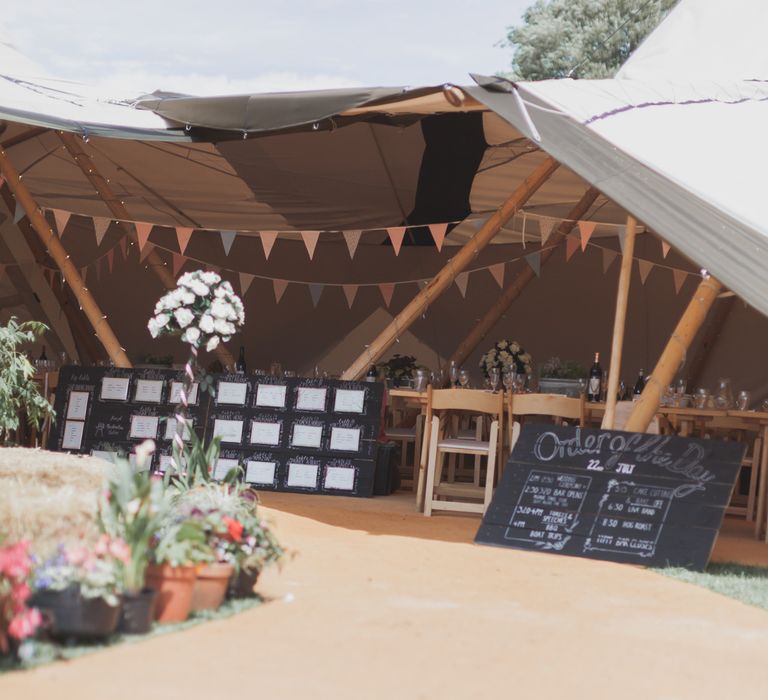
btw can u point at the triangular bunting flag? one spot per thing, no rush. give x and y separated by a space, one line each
18 213
498 273
352 239
110 259
183 235
571 246
396 235
679 277
245 282
279 286
315 290
100 226
665 248
645 268
386 291
621 232
608 257
310 239
534 260
143 230
438 232
586 229
350 292
546 226
227 239
268 239
177 263
462 279
61 218
146 250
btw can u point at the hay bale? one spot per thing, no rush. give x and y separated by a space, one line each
49 497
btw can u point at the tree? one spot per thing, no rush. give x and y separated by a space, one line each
580 38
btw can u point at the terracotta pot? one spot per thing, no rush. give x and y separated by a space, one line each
211 586
242 583
138 612
174 586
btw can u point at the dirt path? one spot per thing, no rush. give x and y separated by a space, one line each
388 604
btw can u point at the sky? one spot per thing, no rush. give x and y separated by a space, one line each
235 46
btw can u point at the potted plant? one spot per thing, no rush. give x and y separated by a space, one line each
133 508
506 356
18 621
562 377
79 587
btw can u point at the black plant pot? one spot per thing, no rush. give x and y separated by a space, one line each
137 612
74 616
241 584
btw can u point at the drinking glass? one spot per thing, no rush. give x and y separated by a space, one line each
700 398
519 387
508 379
453 373
493 378
724 396
743 401
464 378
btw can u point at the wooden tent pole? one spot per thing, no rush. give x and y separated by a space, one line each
84 161
504 301
619 323
59 255
455 266
673 354
710 335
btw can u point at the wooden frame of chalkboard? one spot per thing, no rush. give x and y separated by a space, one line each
653 500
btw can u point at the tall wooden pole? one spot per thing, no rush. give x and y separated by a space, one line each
74 147
455 266
673 354
710 335
504 301
59 255
619 323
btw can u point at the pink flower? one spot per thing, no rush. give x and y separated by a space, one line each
102 546
120 551
14 560
20 594
25 624
77 556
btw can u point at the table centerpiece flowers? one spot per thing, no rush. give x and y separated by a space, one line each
506 355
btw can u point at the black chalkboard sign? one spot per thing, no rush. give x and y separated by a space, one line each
642 499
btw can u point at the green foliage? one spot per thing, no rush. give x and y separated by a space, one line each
18 391
555 368
581 38
182 543
196 463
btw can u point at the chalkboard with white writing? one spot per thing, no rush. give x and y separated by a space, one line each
652 500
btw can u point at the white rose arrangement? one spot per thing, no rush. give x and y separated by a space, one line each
202 310
506 355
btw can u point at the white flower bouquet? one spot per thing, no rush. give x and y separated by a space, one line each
202 310
506 355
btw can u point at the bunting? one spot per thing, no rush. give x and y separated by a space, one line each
352 239
245 282
279 286
310 239
645 268
396 235
61 218
268 239
679 277
586 229
315 290
571 246
350 292
227 239
100 226
146 250
143 230
665 248
387 290
462 279
183 234
534 260
608 257
438 232
546 226
178 261
497 272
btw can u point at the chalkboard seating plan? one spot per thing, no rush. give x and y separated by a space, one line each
287 434
642 499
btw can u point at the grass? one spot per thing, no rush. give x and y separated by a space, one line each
748 584
39 652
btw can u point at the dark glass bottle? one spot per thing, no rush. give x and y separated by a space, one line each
240 366
639 386
43 356
594 383
371 376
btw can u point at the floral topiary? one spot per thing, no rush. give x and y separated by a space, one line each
506 355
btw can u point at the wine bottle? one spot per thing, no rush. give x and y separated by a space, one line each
595 380
240 366
371 376
639 386
43 356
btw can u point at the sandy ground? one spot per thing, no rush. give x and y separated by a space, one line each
383 603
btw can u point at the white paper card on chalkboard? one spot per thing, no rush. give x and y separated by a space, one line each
175 396
228 430
265 433
307 435
143 467
73 435
149 391
114 388
166 462
271 395
349 401
106 455
78 405
170 429
311 399
144 426
340 478
303 475
232 393
260 472
223 467
345 439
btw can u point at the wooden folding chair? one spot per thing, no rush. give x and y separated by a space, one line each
555 406
463 497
